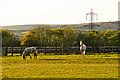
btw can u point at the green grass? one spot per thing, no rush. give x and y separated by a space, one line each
61 66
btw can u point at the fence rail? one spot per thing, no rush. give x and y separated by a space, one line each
58 49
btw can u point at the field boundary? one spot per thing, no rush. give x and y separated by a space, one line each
58 49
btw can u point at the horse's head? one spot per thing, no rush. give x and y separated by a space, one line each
80 42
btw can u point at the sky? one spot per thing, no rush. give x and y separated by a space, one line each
22 12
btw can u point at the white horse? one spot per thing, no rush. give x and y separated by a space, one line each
28 50
82 49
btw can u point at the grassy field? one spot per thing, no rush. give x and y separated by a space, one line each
61 66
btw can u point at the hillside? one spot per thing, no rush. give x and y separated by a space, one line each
22 29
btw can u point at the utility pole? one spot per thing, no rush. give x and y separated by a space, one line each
91 14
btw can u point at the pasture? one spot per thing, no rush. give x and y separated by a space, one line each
61 66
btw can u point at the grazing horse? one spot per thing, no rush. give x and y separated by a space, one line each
82 49
28 50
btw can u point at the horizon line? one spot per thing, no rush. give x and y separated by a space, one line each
54 24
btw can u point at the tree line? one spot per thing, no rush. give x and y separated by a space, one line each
46 36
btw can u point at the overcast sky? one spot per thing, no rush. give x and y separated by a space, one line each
20 12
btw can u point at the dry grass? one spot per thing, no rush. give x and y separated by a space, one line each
61 66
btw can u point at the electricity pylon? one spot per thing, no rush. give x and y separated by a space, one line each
92 18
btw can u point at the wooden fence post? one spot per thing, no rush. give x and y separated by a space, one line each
45 50
118 49
20 51
12 50
91 49
6 50
99 49
55 50
104 49
68 50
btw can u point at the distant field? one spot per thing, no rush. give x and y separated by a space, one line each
61 66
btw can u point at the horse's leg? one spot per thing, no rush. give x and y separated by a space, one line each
30 56
35 55
24 57
83 54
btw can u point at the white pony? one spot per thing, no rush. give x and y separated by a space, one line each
28 50
82 49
